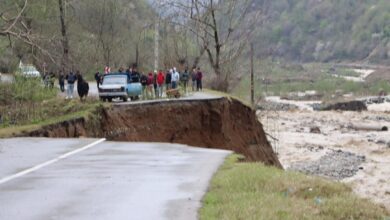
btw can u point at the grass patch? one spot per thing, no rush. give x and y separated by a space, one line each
280 79
55 111
254 191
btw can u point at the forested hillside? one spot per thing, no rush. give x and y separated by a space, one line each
121 32
99 33
324 30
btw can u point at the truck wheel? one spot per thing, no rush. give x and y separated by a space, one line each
124 98
109 99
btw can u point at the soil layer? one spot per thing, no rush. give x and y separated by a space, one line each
216 123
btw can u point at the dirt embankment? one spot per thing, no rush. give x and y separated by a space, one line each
218 123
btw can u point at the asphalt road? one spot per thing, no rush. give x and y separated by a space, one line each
84 179
6 78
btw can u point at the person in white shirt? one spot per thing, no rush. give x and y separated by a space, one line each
175 78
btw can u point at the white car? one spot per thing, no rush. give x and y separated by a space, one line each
119 85
30 71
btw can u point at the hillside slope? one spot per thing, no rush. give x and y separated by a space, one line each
316 30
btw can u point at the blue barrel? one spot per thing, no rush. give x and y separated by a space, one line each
134 89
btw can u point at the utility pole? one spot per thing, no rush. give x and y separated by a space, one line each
157 36
252 78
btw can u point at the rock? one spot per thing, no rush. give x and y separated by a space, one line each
378 118
347 106
275 106
380 142
316 106
312 148
315 130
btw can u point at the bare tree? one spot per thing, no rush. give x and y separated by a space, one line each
15 25
222 30
65 40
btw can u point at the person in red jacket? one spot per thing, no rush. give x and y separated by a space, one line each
160 83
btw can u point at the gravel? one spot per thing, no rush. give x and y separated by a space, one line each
336 164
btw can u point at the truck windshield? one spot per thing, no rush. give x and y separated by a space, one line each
111 80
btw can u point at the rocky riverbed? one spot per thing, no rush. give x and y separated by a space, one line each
322 144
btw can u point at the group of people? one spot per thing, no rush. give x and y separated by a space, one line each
154 82
70 78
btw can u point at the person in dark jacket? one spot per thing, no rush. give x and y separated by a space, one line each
184 79
168 80
144 83
128 72
61 81
199 77
82 86
155 84
98 79
193 77
71 79
135 76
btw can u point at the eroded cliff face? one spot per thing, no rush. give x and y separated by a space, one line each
217 123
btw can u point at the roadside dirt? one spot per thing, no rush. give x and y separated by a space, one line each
216 123
379 75
359 158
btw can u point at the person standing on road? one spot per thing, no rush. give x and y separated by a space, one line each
150 85
160 83
184 78
144 83
61 81
168 80
71 79
107 70
193 77
199 77
98 79
128 73
155 84
135 76
175 78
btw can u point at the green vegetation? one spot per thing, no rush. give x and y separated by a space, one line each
323 31
25 89
80 110
21 113
99 32
25 104
254 191
280 79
